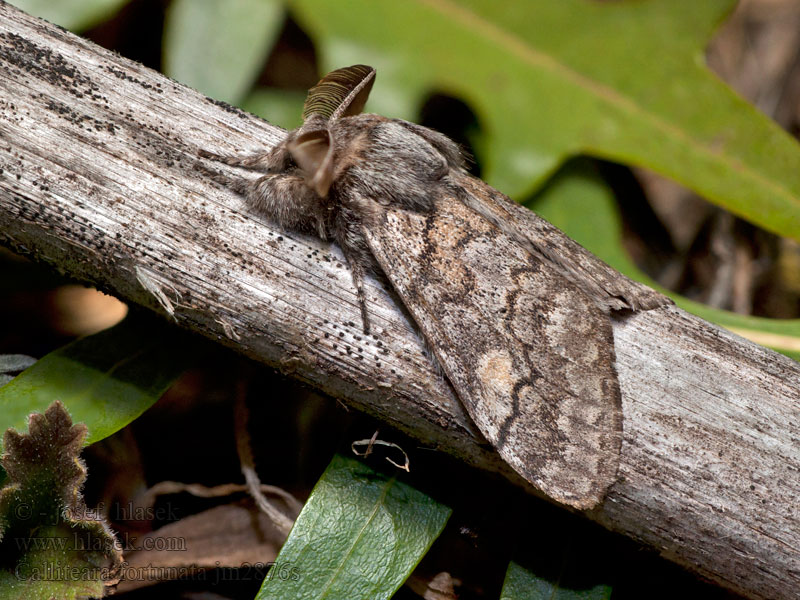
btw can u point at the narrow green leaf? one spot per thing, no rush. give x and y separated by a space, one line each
622 80
219 46
576 192
359 536
75 15
105 380
522 584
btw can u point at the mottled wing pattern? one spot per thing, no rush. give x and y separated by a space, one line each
529 354
609 288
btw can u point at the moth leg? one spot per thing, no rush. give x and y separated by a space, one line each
357 270
237 184
348 235
275 160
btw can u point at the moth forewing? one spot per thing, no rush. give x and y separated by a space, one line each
610 289
529 354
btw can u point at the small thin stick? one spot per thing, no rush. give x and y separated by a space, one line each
374 441
162 488
241 414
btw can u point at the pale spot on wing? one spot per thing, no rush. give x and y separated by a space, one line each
496 373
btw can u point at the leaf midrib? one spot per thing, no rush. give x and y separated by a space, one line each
378 504
526 53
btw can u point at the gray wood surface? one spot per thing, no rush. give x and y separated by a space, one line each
97 179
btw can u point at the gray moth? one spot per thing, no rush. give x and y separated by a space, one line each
517 314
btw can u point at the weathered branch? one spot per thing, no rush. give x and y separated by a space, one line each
97 179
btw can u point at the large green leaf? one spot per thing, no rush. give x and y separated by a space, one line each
219 46
359 536
623 80
75 15
105 380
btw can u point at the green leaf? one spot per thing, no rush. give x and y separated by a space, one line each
280 107
521 584
75 15
621 80
105 380
359 536
577 191
219 46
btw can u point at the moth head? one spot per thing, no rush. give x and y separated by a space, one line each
340 93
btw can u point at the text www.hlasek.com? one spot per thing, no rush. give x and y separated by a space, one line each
80 543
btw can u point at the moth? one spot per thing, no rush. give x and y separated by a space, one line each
517 314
